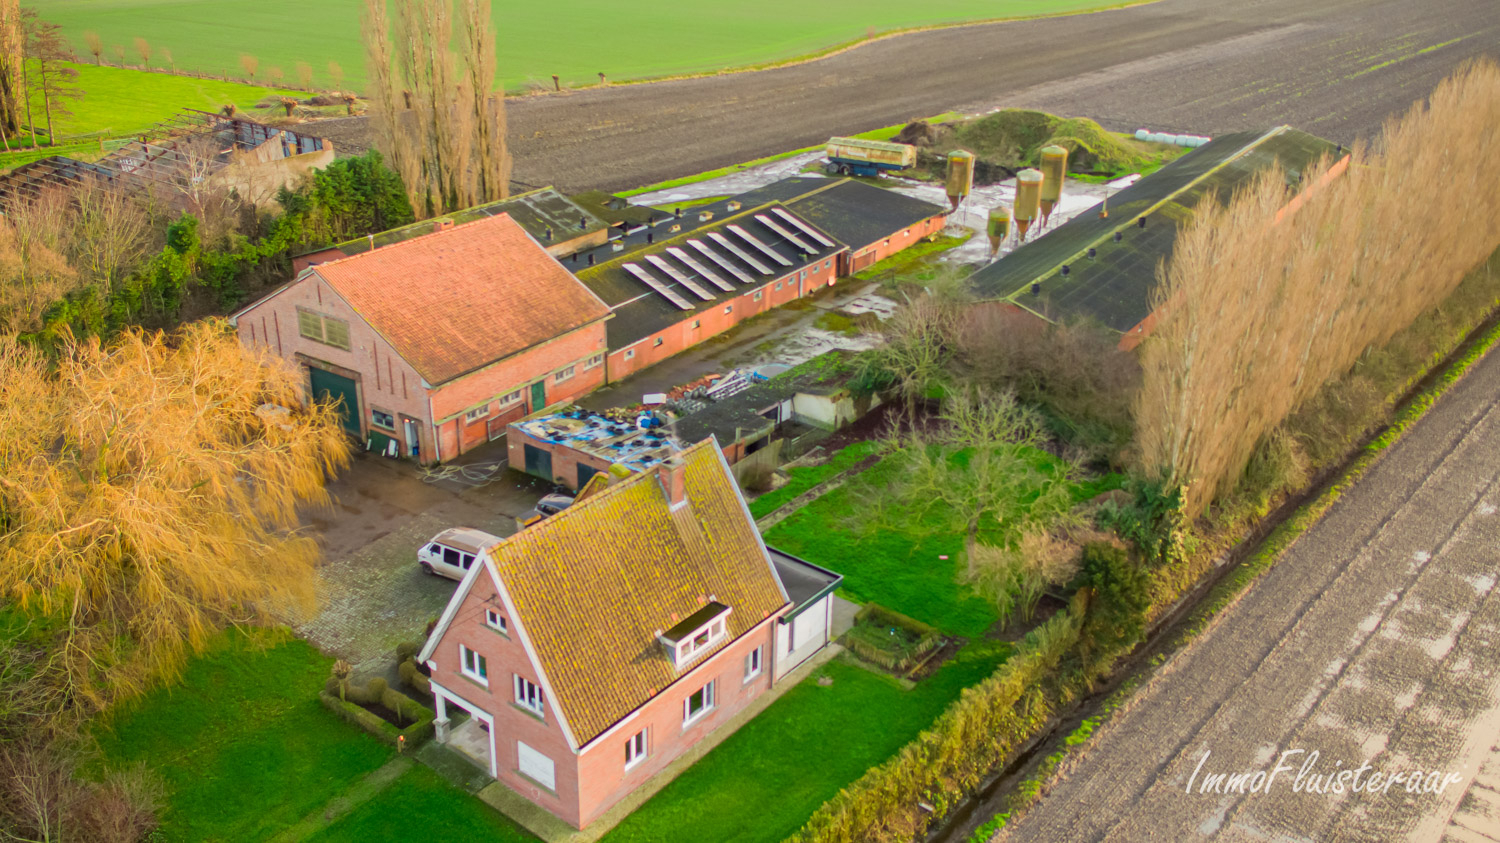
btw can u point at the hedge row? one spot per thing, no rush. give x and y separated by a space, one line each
350 708
930 775
1234 586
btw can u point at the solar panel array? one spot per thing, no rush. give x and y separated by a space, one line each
754 241
687 261
738 252
719 259
787 235
650 281
672 273
807 229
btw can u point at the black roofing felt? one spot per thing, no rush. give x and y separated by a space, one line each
859 214
690 624
804 581
544 213
1114 287
739 416
640 312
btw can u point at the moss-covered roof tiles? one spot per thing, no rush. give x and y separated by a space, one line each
594 585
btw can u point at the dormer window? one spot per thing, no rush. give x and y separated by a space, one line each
696 634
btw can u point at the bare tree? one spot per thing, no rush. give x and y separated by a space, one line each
143 49
95 45
492 164
12 69
304 75
336 74
119 53
249 64
166 56
275 74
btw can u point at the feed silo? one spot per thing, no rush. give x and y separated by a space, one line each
999 227
1028 199
960 176
1054 167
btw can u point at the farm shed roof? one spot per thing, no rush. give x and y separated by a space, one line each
486 291
1114 287
641 309
855 213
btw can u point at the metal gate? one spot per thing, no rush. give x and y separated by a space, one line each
538 462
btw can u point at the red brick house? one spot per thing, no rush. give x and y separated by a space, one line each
433 345
592 649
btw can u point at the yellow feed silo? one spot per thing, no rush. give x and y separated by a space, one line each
999 227
1028 199
960 176
1054 167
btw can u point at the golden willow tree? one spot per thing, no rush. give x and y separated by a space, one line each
149 491
438 120
1265 301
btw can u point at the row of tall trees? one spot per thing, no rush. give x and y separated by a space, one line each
34 73
438 119
1264 303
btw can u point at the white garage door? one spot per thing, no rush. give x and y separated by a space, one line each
808 625
537 766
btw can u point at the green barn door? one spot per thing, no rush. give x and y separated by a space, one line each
340 391
538 462
538 395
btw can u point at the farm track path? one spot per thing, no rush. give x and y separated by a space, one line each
1371 642
1337 68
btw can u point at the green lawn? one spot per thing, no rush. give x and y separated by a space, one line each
242 742
765 780
421 805
124 102
534 39
804 477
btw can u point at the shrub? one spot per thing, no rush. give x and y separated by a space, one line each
414 677
377 691
407 650
1119 598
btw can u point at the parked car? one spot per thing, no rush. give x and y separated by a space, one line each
548 505
451 553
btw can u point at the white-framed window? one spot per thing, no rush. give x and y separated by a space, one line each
753 662
635 749
757 295
887 241
802 276
476 414
778 285
701 640
473 665
496 621
629 353
510 398
563 374
906 233
728 308
593 362
529 696
656 343
697 323
380 418
826 263
698 703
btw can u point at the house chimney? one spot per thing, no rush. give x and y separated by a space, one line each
442 225
650 236
671 474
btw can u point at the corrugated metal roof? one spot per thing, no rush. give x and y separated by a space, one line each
1115 286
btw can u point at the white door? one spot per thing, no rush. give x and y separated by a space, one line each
537 766
809 625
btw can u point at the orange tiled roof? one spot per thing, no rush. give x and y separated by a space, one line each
453 301
593 585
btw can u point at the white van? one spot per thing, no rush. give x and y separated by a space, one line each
451 553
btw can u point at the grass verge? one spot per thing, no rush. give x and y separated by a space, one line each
422 798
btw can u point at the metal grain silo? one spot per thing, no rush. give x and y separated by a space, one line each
1054 166
960 176
1028 198
999 227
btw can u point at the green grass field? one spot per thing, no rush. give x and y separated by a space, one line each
633 41
122 102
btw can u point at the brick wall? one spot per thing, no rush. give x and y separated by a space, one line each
869 254
565 459
385 381
505 658
603 779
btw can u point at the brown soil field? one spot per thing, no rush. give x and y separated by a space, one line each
1337 68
